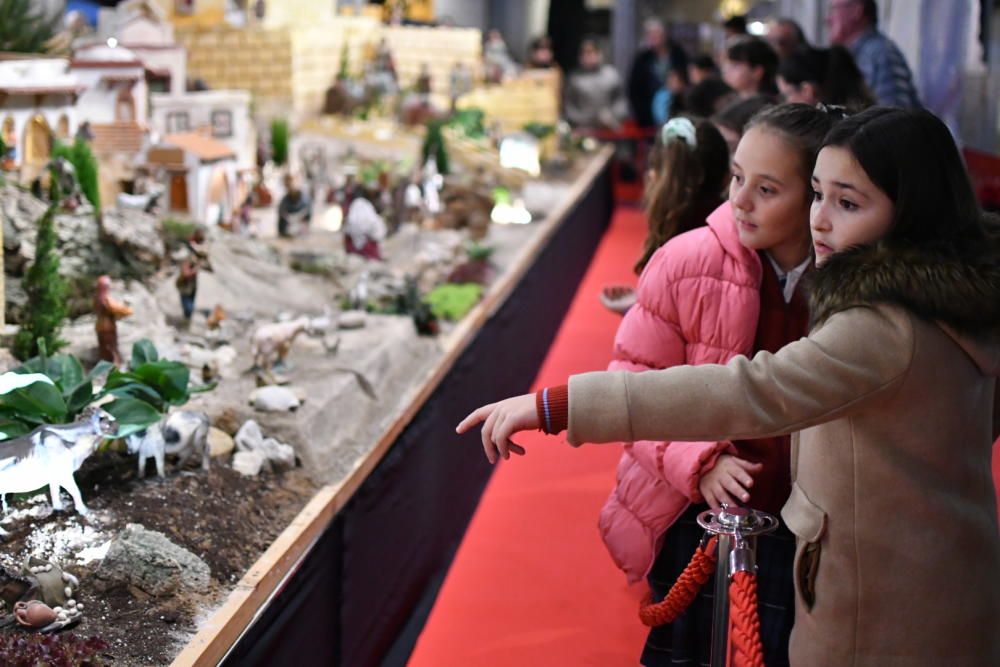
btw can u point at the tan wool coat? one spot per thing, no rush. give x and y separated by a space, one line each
893 505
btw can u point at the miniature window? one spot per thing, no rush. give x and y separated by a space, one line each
177 121
222 123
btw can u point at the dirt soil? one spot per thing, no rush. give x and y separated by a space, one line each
224 518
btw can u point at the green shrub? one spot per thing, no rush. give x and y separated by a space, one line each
453 302
279 141
26 25
46 291
434 145
85 164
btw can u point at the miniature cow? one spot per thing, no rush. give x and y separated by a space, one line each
271 343
50 455
182 434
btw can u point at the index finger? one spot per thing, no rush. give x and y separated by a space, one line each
475 417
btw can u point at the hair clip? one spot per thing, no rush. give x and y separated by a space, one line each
837 110
679 128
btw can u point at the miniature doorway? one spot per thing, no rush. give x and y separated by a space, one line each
218 208
37 141
9 136
178 192
62 127
125 106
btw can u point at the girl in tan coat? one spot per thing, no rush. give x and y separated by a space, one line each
892 399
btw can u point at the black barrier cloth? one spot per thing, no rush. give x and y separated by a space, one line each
362 594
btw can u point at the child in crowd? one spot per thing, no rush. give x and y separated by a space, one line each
750 67
669 99
829 76
703 67
732 119
688 167
727 289
708 98
893 395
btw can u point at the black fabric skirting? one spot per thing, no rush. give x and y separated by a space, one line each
688 640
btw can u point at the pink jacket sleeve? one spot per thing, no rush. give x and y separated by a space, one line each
651 337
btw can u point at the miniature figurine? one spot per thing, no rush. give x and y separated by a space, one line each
364 229
182 434
270 343
460 82
193 259
424 85
50 454
294 209
108 311
41 598
496 57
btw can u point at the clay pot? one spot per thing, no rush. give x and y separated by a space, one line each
34 614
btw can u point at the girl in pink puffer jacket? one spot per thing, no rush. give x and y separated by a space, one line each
726 289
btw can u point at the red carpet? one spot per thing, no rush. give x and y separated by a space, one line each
532 583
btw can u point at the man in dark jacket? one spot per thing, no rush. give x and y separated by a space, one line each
649 70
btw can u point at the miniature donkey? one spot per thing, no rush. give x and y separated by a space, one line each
50 455
183 433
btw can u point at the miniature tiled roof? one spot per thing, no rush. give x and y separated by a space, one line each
116 138
206 148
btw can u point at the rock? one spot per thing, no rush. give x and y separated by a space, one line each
135 232
220 443
351 319
277 456
150 562
274 399
248 464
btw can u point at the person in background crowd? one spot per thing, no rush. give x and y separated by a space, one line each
649 70
540 55
750 66
854 24
732 119
786 36
735 27
707 98
294 209
669 100
688 169
701 68
594 97
829 76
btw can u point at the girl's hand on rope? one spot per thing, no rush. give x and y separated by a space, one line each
728 482
500 421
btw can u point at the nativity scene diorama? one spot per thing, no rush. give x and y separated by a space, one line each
224 270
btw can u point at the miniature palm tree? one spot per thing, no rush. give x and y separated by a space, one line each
26 25
46 292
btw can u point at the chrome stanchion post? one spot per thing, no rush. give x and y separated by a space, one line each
737 529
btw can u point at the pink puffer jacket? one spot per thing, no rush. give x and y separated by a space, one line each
698 302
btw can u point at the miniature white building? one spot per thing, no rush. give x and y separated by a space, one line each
142 27
199 175
37 102
222 114
114 81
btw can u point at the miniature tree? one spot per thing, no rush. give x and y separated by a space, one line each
85 164
26 25
344 72
434 146
46 292
279 141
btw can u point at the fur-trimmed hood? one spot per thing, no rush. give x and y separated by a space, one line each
958 288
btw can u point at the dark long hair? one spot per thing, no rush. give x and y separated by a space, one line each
687 185
755 52
911 156
832 71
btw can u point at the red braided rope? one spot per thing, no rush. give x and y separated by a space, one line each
683 592
744 631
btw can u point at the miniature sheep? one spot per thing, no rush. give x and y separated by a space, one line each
183 434
270 343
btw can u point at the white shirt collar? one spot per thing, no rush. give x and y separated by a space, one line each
791 277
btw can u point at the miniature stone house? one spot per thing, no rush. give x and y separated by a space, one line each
143 27
222 114
37 103
199 174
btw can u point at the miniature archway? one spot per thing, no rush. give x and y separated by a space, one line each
62 127
37 140
8 133
125 106
218 209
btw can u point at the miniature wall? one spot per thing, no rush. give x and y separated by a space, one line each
252 59
532 97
